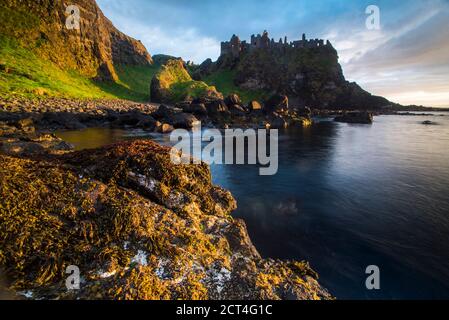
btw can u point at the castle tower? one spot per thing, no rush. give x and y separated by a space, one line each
265 40
235 46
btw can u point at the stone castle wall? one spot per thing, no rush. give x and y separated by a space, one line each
235 47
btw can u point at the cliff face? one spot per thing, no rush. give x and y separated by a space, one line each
136 226
309 75
93 49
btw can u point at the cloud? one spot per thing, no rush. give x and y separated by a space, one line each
407 60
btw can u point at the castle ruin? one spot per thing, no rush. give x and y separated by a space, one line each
235 47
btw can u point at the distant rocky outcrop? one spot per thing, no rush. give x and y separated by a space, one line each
307 71
94 49
362 117
173 84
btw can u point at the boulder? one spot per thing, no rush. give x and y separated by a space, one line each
163 112
165 128
24 123
195 108
64 120
277 122
216 107
232 100
363 117
148 122
277 103
185 120
129 119
237 110
254 106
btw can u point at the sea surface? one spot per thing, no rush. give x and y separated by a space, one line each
345 197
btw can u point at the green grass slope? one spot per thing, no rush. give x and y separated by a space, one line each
223 80
24 74
173 83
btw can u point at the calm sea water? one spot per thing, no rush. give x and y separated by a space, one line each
346 197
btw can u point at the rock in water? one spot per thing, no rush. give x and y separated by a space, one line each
254 106
428 122
138 226
185 121
363 117
277 103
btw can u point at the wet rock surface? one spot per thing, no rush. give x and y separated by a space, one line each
20 115
137 226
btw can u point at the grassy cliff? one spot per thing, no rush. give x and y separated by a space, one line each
40 57
25 74
223 80
173 83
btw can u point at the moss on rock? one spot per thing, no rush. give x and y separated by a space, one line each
173 84
83 209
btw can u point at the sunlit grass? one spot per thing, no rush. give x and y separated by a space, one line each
223 80
24 74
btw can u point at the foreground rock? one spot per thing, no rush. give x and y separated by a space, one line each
362 117
137 226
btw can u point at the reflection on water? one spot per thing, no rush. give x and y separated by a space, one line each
345 197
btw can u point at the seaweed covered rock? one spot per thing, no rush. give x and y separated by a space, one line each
147 167
120 215
24 141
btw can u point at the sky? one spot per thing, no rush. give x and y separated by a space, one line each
406 60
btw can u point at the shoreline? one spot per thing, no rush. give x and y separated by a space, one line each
218 261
